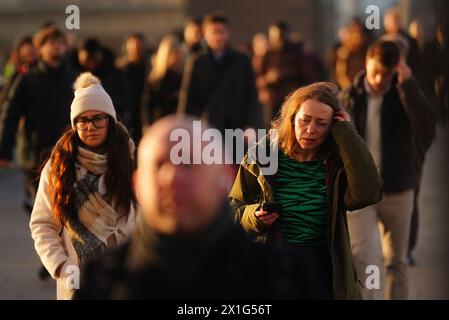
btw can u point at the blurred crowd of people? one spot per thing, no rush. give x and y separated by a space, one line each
391 98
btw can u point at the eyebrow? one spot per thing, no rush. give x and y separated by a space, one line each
309 117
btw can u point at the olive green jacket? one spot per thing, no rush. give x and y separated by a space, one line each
352 183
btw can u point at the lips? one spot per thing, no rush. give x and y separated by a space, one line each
308 140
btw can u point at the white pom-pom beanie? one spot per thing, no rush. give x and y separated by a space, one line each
90 96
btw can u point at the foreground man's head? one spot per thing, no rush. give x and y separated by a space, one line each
182 198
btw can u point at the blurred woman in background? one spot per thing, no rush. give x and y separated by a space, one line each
162 89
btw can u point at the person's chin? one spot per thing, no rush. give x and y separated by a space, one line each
94 139
93 144
56 58
378 89
308 145
189 225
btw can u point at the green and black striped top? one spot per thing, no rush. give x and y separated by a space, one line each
301 189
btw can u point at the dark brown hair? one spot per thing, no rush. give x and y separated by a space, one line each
216 17
118 176
47 33
386 52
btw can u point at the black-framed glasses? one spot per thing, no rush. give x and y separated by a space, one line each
99 122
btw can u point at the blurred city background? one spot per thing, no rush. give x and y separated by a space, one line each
317 22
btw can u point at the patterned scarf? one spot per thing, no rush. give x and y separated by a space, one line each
97 225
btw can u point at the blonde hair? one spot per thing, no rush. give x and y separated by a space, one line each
284 126
168 45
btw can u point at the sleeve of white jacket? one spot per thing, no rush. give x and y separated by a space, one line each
45 229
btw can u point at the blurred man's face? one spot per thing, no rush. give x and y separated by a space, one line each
134 49
27 53
53 49
355 37
260 45
378 76
275 36
392 22
217 36
176 198
192 34
89 61
344 35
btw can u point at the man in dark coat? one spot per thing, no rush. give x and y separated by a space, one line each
39 108
186 245
283 66
394 118
218 84
134 66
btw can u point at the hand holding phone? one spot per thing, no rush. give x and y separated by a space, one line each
272 207
269 212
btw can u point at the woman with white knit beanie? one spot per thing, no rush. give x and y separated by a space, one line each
85 202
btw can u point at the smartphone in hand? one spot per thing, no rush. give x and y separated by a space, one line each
272 207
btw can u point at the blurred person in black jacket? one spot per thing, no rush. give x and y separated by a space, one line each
135 66
38 110
218 84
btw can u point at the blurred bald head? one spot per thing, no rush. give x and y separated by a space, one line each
177 198
159 135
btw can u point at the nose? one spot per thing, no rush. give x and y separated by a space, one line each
311 128
90 126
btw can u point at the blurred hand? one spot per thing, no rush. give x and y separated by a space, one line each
341 116
403 70
265 217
